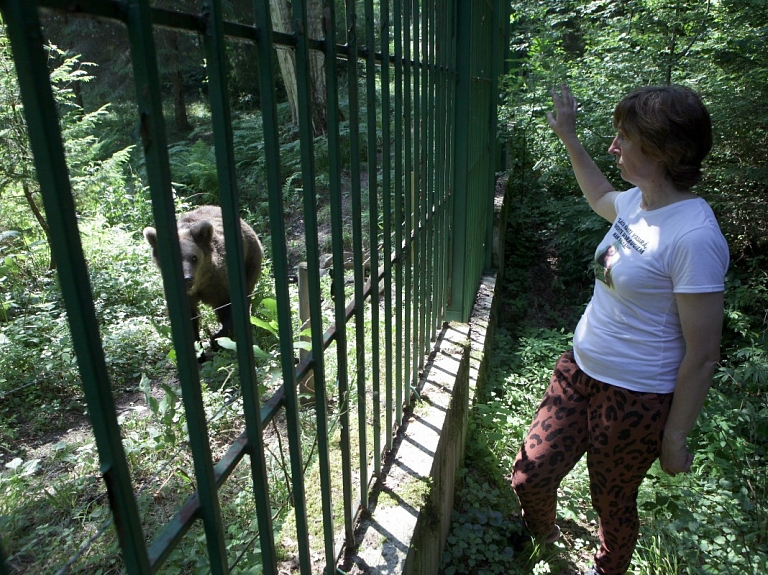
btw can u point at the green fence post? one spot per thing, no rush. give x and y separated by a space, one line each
408 192
313 257
158 173
430 254
400 174
357 245
337 239
267 74
228 195
443 37
24 31
457 297
386 185
373 227
427 148
416 194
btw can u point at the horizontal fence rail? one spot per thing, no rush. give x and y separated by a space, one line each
412 199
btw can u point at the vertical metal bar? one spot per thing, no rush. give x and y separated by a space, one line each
267 73
445 170
386 185
435 208
373 220
357 245
417 196
158 172
408 192
398 215
441 159
300 27
428 215
337 239
423 188
430 164
450 172
459 268
427 144
222 128
24 32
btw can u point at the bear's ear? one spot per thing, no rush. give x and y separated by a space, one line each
202 233
150 234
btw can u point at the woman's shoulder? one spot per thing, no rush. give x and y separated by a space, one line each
628 199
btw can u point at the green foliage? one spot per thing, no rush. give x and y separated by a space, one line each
193 162
573 231
45 526
486 525
604 49
39 378
99 173
480 539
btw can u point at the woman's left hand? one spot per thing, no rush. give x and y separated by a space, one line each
674 457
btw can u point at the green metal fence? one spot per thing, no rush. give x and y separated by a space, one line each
425 73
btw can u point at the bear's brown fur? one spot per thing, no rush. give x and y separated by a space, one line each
201 237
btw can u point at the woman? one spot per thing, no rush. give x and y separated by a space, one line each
647 345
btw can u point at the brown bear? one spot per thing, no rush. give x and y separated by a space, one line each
201 238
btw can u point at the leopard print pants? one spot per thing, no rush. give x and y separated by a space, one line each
621 432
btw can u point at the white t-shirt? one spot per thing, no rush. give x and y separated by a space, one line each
630 334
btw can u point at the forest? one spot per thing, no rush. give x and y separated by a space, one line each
714 520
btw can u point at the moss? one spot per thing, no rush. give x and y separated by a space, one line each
415 491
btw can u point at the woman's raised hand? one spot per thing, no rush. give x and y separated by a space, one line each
563 119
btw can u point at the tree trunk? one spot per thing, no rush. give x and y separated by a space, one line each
180 117
281 22
30 197
77 89
317 68
179 103
672 49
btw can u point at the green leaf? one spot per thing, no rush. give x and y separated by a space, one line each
259 353
226 343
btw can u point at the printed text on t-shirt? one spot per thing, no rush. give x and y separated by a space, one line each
627 237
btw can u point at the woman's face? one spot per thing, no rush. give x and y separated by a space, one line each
635 166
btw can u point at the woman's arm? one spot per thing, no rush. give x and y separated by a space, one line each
594 185
701 317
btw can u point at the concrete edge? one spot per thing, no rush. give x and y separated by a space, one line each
411 504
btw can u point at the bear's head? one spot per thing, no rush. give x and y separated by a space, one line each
195 242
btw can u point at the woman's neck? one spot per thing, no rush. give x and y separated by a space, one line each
655 197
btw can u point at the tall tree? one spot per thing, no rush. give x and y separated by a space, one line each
180 59
17 172
89 167
282 22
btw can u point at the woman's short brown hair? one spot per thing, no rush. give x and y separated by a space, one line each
672 125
